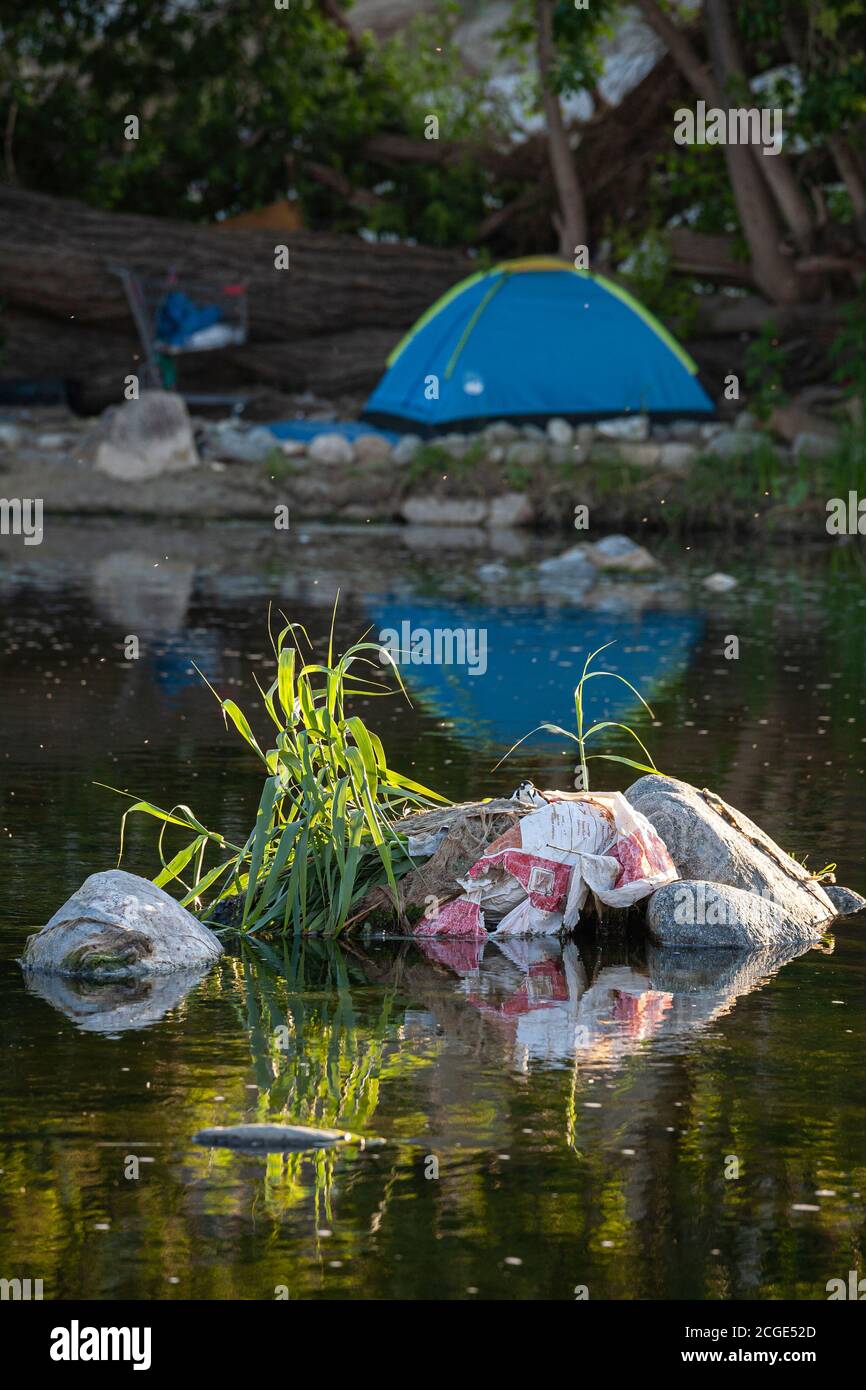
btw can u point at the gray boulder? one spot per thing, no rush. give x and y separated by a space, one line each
845 900
714 915
263 1138
709 840
119 926
145 438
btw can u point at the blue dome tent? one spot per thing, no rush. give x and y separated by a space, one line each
530 339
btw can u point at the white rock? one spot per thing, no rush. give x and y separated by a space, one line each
576 559
747 421
511 509
116 926
635 427
678 457
372 448
642 454
292 448
814 446
444 511
493 573
501 432
560 432
407 448
685 429
730 444
720 583
50 441
332 449
526 453
145 438
620 553
10 435
455 445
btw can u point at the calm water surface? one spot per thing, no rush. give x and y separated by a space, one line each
580 1105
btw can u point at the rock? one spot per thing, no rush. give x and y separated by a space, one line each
526 453
720 583
642 455
708 431
845 900
633 427
685 430
407 448
292 448
678 457
277 1138
705 845
248 446
619 553
575 560
331 449
585 435
501 432
493 573
454 445
560 432
534 433
146 438
10 435
444 511
50 441
713 915
814 446
731 444
511 509
118 926
788 421
747 421
372 448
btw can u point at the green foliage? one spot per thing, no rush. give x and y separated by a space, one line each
645 267
323 834
764 363
848 350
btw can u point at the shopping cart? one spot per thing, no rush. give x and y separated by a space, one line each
174 316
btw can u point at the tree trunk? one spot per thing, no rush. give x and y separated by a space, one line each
849 172
773 273
730 73
572 225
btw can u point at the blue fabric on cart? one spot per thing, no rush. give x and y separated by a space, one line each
179 317
305 430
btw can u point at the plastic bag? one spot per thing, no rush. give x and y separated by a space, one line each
570 846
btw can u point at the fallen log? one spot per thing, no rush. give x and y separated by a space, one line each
337 310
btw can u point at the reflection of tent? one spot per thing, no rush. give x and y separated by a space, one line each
529 340
533 662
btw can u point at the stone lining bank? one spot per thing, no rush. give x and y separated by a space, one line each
147 457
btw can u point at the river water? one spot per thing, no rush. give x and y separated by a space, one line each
626 1123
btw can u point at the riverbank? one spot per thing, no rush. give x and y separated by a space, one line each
682 477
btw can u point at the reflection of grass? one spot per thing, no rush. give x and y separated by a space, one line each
315 1064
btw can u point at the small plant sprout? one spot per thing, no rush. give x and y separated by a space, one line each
583 735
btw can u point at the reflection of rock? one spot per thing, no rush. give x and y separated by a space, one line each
143 593
114 1006
705 984
709 840
116 926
